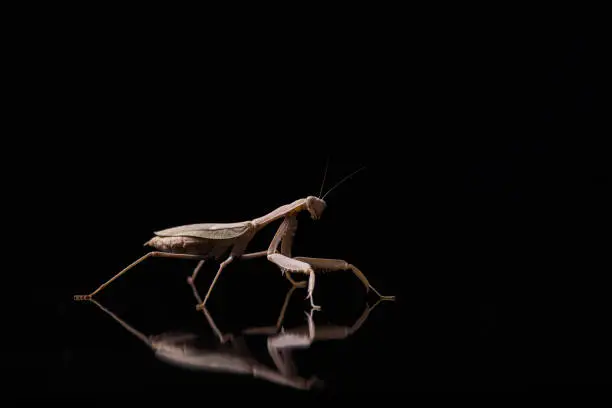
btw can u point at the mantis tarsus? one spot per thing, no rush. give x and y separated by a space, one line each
232 354
214 240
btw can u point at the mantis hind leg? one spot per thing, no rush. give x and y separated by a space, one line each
133 264
325 264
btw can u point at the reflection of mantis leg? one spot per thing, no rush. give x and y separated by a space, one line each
151 341
281 317
332 332
255 330
222 337
236 342
324 332
129 328
280 346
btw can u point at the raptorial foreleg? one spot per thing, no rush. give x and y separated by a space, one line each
293 265
284 239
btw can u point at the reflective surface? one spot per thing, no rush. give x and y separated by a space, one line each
151 341
259 339
496 246
231 355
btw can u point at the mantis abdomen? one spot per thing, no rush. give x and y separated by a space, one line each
191 245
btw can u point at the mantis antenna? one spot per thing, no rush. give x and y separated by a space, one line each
342 181
324 175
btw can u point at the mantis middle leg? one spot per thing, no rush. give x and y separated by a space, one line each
285 235
221 267
280 233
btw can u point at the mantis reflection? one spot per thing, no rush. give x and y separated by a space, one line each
181 349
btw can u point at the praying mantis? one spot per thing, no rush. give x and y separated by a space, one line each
231 354
208 241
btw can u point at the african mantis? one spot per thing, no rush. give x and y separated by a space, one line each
203 242
231 354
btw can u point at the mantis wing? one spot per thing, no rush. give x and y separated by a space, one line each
214 231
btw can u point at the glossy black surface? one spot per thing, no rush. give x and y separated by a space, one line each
449 329
483 208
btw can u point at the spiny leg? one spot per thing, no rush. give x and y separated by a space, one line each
281 316
325 264
148 255
287 244
279 322
293 265
284 238
221 267
222 337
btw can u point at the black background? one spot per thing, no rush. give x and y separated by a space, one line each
482 207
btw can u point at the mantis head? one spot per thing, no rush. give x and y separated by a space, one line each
315 207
